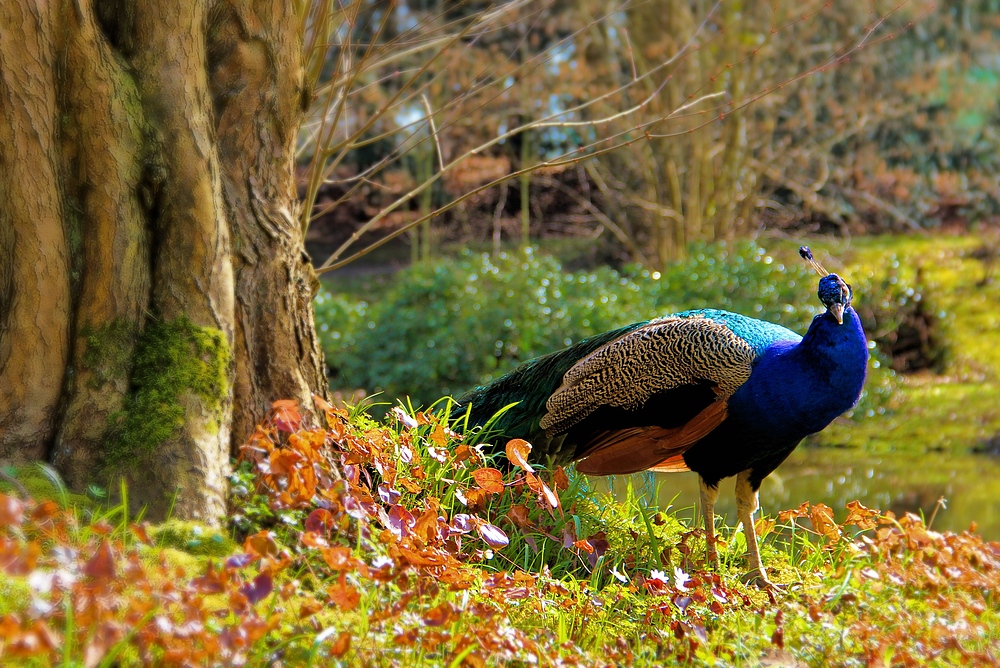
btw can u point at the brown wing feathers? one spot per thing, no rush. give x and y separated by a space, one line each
665 354
641 448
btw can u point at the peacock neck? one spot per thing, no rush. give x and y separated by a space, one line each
797 388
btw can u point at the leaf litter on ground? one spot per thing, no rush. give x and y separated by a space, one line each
403 543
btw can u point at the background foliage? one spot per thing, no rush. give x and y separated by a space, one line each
850 116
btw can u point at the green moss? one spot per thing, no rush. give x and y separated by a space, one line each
192 538
171 358
42 488
15 594
108 354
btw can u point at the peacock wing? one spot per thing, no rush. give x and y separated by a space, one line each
634 449
694 361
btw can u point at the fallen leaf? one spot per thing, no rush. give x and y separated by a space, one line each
559 479
517 453
319 521
339 558
259 589
489 480
341 645
261 544
493 535
101 566
822 519
440 615
795 513
438 437
344 595
286 415
860 516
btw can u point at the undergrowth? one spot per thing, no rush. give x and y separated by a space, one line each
397 543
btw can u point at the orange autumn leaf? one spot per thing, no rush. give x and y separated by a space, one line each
464 452
517 452
426 526
286 415
795 513
764 526
343 594
518 514
101 566
283 461
438 436
139 531
860 516
309 608
559 479
261 544
822 519
440 615
409 485
341 644
339 558
489 480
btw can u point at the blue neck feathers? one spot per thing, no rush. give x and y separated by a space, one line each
798 388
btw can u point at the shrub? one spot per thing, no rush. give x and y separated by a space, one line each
441 329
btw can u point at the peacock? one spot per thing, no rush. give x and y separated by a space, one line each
707 390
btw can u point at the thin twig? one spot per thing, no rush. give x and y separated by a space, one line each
434 132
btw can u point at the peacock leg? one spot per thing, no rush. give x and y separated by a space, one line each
709 495
747 503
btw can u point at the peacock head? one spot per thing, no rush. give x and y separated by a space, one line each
834 292
835 295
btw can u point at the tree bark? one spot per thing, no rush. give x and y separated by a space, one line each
258 89
149 250
192 270
106 150
34 255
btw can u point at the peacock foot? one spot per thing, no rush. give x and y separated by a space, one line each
759 579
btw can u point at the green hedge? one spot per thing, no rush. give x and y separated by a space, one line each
441 329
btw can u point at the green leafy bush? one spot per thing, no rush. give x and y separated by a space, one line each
444 328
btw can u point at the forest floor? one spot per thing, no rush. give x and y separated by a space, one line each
426 553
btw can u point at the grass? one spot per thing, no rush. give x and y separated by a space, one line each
424 555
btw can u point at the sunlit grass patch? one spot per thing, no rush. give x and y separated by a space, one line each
425 552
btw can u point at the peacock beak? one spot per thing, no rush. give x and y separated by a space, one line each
837 310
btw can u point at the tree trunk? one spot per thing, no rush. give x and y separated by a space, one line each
34 257
155 296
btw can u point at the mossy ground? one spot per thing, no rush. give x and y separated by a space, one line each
334 579
958 409
192 538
